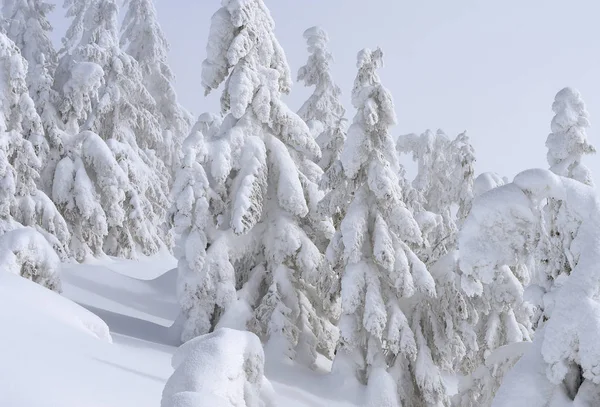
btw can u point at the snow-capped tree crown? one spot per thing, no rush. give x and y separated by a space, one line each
143 39
26 23
242 47
142 36
568 142
323 111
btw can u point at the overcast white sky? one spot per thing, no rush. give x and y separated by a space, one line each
489 67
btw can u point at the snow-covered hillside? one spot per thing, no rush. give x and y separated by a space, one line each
56 353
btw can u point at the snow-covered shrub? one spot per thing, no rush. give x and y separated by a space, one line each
27 253
261 163
221 369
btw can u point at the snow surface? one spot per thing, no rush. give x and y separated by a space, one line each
56 353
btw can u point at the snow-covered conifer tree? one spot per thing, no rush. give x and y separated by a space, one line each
444 180
506 319
380 271
440 197
568 143
143 39
21 136
206 282
102 91
260 155
26 24
323 111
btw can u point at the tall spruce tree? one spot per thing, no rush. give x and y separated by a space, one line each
259 162
26 24
21 143
381 275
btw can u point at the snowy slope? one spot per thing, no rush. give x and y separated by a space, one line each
56 353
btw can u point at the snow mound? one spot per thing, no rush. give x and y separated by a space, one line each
46 308
222 369
486 182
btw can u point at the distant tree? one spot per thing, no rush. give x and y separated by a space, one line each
443 185
568 143
143 39
323 111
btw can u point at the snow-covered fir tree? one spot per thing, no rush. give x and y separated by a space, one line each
26 24
22 203
373 249
440 197
261 160
442 187
568 143
113 186
507 319
143 39
567 146
323 111
206 281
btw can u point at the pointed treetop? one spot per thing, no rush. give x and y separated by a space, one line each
568 142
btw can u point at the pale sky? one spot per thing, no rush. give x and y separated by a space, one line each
489 67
